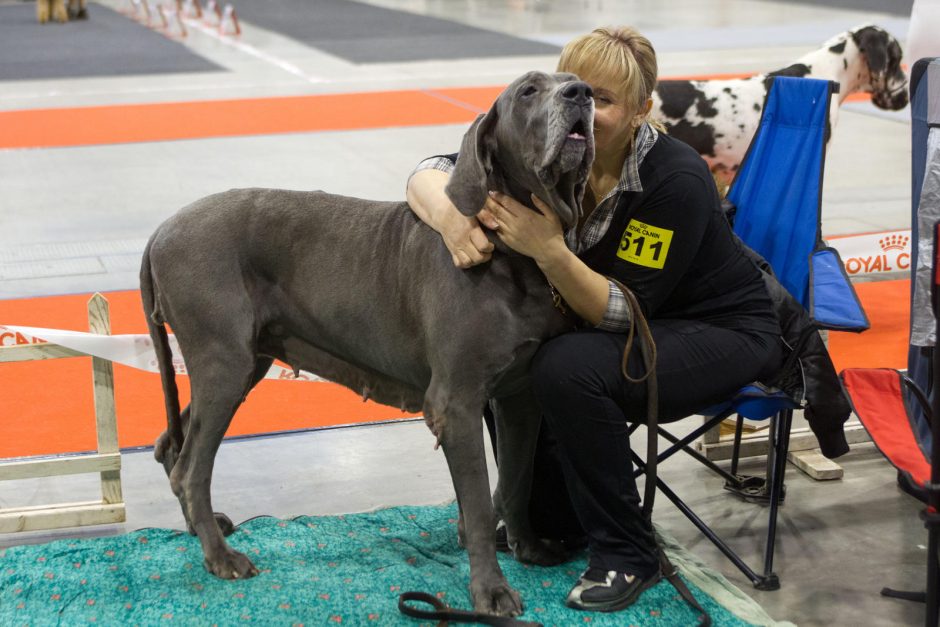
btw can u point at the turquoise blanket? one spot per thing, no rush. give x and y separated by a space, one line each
346 570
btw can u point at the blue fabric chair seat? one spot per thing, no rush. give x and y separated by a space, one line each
754 402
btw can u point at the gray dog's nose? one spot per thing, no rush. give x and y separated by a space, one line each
578 92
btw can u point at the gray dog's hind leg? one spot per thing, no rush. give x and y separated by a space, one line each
166 454
461 437
517 427
221 376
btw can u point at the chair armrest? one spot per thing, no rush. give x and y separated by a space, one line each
833 303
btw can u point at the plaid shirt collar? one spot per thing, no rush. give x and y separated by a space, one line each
599 220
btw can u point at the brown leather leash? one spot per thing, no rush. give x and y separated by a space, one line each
648 351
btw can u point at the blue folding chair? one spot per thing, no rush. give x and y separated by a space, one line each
776 196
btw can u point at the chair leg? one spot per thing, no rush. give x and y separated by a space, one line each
683 444
932 596
718 470
780 432
767 581
778 445
933 575
761 582
736 451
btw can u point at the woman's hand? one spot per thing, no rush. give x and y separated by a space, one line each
468 244
537 234
464 238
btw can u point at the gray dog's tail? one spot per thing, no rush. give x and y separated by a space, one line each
161 345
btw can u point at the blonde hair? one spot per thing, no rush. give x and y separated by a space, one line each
617 55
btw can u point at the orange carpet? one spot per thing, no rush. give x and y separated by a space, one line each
48 406
884 345
119 124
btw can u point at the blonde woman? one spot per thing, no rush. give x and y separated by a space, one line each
652 220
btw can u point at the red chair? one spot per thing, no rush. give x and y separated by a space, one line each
882 399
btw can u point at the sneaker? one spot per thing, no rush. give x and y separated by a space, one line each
608 591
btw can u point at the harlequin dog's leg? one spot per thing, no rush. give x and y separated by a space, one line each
59 14
42 11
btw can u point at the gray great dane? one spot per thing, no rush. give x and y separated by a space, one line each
364 294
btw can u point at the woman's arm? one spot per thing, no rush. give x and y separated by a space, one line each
584 290
463 236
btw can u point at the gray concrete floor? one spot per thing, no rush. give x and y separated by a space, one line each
83 228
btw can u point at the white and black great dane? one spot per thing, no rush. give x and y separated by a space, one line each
719 117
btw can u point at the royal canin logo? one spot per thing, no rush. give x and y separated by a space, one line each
894 242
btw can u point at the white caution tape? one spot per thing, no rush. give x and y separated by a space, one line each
135 351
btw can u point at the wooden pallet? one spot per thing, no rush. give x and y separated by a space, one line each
106 462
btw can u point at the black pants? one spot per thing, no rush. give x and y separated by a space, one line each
586 404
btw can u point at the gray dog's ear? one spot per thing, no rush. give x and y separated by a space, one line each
468 183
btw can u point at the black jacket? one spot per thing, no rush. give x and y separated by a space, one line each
808 373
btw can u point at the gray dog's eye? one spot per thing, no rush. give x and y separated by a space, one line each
529 91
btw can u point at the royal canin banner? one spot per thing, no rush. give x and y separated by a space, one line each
875 255
135 351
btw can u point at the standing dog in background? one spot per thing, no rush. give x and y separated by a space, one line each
56 10
719 117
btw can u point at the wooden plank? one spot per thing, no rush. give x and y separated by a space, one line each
712 435
815 465
32 352
103 379
31 468
99 321
801 439
31 509
111 487
60 515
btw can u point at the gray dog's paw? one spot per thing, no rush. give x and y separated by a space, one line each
499 599
537 551
231 565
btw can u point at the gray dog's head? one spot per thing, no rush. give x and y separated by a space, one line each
887 81
536 138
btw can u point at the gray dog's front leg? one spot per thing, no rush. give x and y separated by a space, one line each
517 429
461 436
